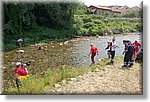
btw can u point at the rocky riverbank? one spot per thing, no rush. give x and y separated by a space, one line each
105 80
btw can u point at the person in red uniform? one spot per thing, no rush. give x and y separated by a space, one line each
137 46
93 52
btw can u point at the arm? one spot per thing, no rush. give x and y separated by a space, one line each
89 54
26 70
97 52
107 47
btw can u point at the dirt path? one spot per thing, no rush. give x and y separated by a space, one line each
110 80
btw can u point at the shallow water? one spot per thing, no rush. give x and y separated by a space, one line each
73 53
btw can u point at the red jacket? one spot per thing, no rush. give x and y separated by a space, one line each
136 46
93 49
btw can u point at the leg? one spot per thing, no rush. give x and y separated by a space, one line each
131 60
125 60
112 57
108 53
92 57
18 84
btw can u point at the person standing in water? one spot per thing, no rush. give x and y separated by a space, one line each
93 52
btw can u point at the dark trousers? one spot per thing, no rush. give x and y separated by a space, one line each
92 56
112 56
128 58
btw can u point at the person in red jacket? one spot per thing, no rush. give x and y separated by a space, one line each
20 71
93 52
137 46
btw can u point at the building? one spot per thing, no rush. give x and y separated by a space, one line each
102 10
113 10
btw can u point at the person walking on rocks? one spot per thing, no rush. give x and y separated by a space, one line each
128 57
93 52
113 50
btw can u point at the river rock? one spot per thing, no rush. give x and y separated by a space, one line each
57 85
4 68
66 42
72 79
20 51
58 90
61 44
63 82
97 70
99 59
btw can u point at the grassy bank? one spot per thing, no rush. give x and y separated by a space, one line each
37 83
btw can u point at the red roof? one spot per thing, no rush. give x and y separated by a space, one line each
101 7
116 11
104 8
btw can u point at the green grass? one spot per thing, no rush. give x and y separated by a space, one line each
35 84
10 46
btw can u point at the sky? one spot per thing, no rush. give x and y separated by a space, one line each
129 3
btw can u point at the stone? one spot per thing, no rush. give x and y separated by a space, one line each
63 82
4 67
99 59
66 42
97 70
20 51
57 85
58 90
72 79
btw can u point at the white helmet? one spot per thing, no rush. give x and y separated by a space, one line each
18 63
25 65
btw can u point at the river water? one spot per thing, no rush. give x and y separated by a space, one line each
81 49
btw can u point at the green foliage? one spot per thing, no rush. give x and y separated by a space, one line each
98 25
39 20
9 46
133 15
82 9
